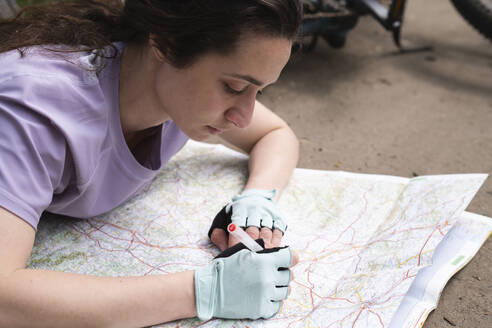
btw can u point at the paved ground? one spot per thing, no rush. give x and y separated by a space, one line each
365 108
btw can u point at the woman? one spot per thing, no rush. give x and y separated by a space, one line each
95 97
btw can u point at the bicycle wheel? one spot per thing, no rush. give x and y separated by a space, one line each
478 13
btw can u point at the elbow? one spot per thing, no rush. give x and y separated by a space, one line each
294 142
290 143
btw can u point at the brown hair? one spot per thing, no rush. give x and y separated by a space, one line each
181 29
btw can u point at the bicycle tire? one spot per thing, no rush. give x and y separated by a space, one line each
478 13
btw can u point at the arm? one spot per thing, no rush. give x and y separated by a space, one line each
272 146
274 151
40 298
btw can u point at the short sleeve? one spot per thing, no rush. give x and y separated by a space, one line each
32 153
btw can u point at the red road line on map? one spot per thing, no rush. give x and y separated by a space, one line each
141 261
310 290
147 226
365 307
407 276
131 242
358 262
358 315
113 237
325 297
133 232
445 224
308 244
350 226
426 241
353 234
341 320
392 233
418 320
166 264
91 223
388 299
140 239
119 227
378 316
293 322
88 235
300 319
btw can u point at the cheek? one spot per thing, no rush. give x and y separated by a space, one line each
208 102
192 103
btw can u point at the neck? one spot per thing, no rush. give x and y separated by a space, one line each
138 104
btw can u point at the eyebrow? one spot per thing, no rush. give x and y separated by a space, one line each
247 78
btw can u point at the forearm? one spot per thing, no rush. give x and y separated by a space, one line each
39 298
273 159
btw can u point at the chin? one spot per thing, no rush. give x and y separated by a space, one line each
197 136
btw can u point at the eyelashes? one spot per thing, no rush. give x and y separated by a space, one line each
233 91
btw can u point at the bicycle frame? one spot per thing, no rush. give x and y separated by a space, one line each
390 18
343 15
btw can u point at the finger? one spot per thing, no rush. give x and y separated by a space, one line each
295 260
280 293
278 223
266 220
266 235
254 218
239 215
232 241
282 258
253 232
219 238
283 278
276 238
272 309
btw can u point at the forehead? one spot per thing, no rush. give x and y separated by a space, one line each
262 58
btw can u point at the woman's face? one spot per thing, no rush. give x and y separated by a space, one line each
218 92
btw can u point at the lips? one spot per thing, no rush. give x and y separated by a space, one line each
213 130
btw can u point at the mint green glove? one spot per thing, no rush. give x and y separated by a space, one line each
255 207
244 285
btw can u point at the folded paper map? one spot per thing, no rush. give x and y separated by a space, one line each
375 251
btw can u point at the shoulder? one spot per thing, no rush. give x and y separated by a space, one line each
61 86
37 62
40 73
56 62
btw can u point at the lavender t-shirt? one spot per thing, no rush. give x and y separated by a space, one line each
61 145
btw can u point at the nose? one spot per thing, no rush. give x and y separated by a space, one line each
241 113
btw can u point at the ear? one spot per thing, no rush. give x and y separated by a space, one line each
155 50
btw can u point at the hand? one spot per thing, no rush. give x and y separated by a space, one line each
254 210
241 284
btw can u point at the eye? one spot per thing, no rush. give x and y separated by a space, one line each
231 90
